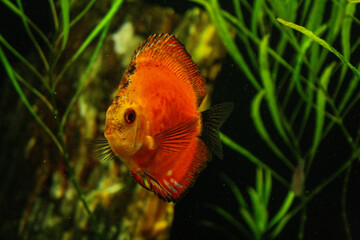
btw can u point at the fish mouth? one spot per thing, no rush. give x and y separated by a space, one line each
123 143
114 140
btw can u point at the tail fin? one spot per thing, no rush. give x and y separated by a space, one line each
212 119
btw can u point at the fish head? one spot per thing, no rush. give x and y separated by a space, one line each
125 128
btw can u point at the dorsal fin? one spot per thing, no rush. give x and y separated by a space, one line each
166 50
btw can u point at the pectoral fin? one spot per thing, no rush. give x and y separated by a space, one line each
176 138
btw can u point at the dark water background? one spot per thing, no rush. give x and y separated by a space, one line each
324 220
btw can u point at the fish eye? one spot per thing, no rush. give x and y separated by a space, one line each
130 115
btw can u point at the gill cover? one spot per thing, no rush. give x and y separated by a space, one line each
123 124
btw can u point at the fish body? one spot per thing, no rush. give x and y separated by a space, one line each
154 125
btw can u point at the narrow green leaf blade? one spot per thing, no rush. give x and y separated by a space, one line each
283 209
345 42
65 10
259 125
108 17
346 30
13 8
246 153
256 16
320 109
54 14
230 219
259 211
279 227
259 182
84 77
24 61
269 86
238 195
32 37
321 42
216 16
10 72
250 221
267 187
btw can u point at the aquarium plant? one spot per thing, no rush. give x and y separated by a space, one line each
258 222
300 58
51 51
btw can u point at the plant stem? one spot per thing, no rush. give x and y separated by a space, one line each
343 204
13 8
326 182
34 91
110 14
302 221
18 89
65 153
54 14
85 76
31 36
67 159
24 61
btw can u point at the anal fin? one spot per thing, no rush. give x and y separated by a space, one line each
168 190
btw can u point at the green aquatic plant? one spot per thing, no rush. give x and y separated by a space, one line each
307 93
255 214
50 50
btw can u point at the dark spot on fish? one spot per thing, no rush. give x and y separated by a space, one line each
132 68
124 82
127 78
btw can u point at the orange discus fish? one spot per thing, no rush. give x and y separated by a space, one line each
154 125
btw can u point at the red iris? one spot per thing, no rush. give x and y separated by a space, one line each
130 116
